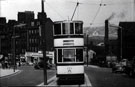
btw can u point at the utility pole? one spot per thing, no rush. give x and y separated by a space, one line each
14 44
43 40
0 44
87 51
14 58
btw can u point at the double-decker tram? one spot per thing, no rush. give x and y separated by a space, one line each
69 45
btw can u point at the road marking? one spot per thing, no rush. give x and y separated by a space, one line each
13 74
87 80
53 82
49 81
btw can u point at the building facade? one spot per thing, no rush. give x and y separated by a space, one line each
25 17
4 37
126 40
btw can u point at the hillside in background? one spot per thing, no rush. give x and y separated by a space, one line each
96 34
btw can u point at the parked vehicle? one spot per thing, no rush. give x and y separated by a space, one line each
117 67
130 67
40 65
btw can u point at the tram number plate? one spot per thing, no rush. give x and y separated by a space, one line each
69 69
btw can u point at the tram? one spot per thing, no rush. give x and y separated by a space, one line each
69 45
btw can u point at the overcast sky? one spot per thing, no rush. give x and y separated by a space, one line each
89 11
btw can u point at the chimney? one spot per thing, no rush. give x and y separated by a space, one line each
42 15
106 40
42 3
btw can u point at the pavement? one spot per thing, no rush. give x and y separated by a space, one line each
8 72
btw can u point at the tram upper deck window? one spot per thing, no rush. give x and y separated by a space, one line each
69 55
68 28
57 29
65 27
78 28
71 28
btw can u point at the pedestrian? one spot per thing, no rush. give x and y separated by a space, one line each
3 65
6 64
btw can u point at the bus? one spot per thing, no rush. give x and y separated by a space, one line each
69 46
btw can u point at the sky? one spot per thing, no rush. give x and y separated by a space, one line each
89 11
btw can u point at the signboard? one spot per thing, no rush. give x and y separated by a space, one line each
68 42
111 58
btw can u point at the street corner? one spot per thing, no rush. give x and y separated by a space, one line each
53 82
8 72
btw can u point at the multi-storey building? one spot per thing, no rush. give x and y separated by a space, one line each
126 39
4 37
25 17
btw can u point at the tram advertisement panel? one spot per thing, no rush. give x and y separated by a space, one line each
69 42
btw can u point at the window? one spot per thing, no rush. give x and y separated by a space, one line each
78 28
38 23
57 29
79 55
68 28
59 55
71 28
65 27
68 55
32 23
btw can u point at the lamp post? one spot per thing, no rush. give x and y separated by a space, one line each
14 43
121 42
87 50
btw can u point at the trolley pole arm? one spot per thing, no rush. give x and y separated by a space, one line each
74 11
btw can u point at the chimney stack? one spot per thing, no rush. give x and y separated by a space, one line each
106 39
42 3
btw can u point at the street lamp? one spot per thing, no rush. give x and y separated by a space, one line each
87 49
14 37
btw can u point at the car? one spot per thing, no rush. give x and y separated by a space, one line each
117 67
130 67
40 65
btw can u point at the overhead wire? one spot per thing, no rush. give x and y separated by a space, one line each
55 10
98 10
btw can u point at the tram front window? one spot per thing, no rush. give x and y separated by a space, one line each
68 55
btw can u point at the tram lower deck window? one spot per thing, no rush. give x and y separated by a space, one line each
68 55
59 55
79 55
